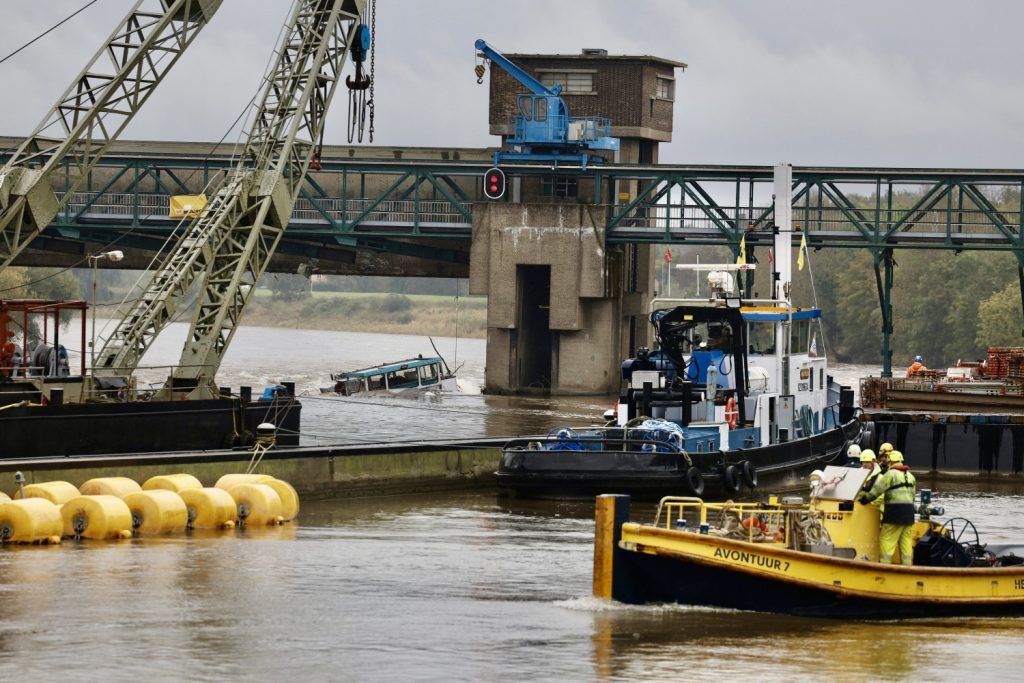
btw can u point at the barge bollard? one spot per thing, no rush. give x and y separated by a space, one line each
611 511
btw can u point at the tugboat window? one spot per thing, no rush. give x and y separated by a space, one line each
762 338
799 336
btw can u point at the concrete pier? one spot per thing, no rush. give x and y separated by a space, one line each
337 471
563 310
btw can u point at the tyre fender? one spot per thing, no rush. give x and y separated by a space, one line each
695 480
731 478
749 473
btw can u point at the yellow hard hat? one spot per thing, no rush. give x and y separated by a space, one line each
867 455
885 448
895 456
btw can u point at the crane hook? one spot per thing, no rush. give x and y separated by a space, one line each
479 69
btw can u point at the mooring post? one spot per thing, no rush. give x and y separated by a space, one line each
610 513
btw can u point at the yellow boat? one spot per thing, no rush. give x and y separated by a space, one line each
817 558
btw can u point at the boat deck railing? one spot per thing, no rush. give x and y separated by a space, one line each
607 439
752 522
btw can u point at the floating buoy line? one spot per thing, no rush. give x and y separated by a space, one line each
110 508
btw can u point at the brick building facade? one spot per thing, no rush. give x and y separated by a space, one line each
636 92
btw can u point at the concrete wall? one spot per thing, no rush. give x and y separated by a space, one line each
345 473
594 292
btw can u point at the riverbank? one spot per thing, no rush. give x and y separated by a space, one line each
413 314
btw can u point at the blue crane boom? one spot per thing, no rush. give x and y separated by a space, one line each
544 131
516 71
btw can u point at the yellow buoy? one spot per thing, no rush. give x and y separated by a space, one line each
258 504
57 492
33 520
157 512
172 482
229 481
110 486
289 498
102 516
209 508
4 497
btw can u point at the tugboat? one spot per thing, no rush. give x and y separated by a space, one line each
812 559
735 395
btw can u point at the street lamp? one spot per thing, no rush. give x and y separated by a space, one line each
94 259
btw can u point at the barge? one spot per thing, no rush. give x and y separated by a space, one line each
966 419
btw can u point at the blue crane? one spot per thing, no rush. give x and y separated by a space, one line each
544 131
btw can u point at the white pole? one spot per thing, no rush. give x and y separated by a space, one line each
783 230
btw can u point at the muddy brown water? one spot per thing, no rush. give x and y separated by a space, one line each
467 586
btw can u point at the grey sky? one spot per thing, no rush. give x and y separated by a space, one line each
866 83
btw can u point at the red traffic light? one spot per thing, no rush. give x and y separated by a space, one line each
494 183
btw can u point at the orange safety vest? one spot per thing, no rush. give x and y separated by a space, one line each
913 369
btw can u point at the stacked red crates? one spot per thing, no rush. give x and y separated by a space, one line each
1001 358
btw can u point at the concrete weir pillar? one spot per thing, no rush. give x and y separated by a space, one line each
562 310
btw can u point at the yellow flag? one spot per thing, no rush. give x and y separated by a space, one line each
741 258
800 254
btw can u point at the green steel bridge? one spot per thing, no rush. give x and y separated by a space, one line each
424 209
384 204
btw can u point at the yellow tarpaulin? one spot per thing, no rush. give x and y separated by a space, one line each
187 205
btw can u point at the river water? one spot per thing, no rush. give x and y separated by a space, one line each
465 587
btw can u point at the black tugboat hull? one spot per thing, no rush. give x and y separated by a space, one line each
652 475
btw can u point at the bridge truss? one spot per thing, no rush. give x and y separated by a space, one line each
424 209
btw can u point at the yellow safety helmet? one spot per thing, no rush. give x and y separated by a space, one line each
895 456
885 448
867 455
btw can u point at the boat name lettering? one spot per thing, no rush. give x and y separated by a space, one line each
838 516
1018 584
752 559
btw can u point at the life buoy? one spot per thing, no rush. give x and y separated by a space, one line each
732 413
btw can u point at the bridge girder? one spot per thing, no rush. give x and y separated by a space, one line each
424 208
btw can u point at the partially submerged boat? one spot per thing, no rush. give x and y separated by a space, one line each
410 375
966 418
818 558
736 394
50 408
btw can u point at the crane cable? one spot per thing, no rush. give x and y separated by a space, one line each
373 52
52 28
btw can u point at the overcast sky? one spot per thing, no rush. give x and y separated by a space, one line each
866 83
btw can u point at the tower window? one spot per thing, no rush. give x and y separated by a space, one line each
665 88
571 81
